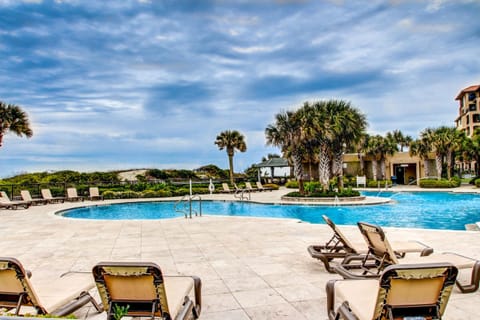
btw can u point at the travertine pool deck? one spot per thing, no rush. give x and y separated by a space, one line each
251 268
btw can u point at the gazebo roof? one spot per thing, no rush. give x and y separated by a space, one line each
274 162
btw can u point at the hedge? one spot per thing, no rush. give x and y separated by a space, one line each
434 183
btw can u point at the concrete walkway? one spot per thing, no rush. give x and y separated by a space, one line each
251 268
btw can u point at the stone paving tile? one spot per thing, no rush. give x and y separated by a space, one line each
275 312
312 309
258 297
251 268
248 283
226 315
219 302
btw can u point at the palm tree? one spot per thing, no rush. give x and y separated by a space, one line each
421 149
319 134
348 125
471 150
400 139
453 142
387 146
435 141
13 119
231 140
287 134
371 148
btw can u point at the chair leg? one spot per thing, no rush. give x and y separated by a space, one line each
330 288
198 296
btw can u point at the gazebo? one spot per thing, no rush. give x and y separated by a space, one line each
272 164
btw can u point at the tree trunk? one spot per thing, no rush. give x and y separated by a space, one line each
425 165
449 164
438 165
1 138
298 170
310 170
362 164
230 163
338 169
374 169
324 167
382 167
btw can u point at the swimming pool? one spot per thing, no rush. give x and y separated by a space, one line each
428 210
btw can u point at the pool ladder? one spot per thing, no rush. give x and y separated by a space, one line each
184 205
240 194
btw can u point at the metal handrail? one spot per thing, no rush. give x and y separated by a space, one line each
188 199
240 194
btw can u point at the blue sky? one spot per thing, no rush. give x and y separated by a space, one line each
149 84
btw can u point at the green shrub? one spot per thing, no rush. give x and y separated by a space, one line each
328 194
474 180
149 194
164 193
128 195
434 183
312 187
456 181
109 194
374 184
292 184
477 183
272 186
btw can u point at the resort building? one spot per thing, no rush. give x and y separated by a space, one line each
400 167
468 110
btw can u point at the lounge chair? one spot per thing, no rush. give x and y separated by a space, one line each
262 188
248 186
146 292
419 291
47 195
6 203
339 247
381 251
59 296
94 194
72 195
226 189
26 196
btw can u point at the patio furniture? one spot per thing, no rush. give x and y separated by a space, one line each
226 189
47 195
72 195
146 291
94 194
6 203
381 251
59 297
262 188
339 247
248 186
419 291
26 196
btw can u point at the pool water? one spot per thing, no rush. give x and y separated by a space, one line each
427 210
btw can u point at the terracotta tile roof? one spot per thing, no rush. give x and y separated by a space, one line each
468 89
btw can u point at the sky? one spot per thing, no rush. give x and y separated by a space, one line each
112 85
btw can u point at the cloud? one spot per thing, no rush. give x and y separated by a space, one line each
153 82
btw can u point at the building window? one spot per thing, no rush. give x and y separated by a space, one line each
471 96
476 118
468 119
472 107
